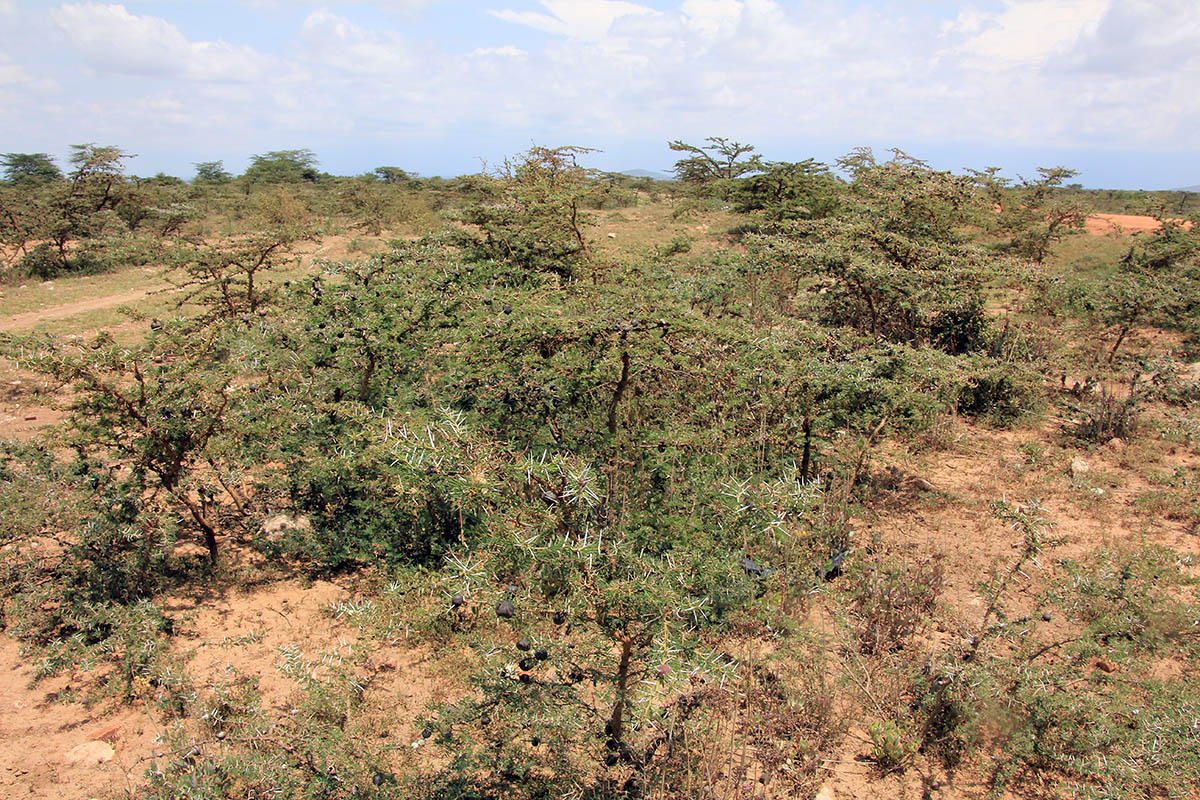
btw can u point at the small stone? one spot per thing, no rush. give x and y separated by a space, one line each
90 754
1079 468
1106 666
1046 616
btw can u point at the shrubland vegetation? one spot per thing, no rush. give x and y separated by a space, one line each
619 484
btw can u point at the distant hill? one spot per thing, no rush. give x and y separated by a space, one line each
645 173
1188 189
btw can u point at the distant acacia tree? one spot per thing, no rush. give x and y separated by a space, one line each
29 168
721 159
94 199
392 175
283 166
211 172
532 216
1035 213
786 190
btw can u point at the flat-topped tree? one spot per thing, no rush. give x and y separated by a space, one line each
24 169
283 166
719 160
211 172
391 175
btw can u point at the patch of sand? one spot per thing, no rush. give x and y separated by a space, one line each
1104 224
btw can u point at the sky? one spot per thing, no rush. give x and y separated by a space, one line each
447 87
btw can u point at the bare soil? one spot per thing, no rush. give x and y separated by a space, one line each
1117 224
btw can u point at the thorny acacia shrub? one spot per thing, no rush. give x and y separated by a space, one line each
532 216
149 417
1123 733
231 745
891 262
654 393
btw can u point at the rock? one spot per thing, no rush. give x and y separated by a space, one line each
276 526
90 754
109 734
1116 443
1079 468
1106 666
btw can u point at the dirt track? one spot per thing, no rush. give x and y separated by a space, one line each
30 319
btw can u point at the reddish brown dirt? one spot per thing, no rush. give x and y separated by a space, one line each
52 746
1103 224
41 736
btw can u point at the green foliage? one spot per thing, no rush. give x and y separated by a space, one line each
1157 283
231 278
231 745
150 415
29 169
282 166
890 748
613 497
94 203
392 175
532 216
789 191
1034 214
892 264
714 167
1121 736
211 172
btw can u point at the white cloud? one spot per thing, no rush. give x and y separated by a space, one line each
578 19
1137 37
1012 72
710 18
391 6
111 39
507 51
336 42
1025 31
